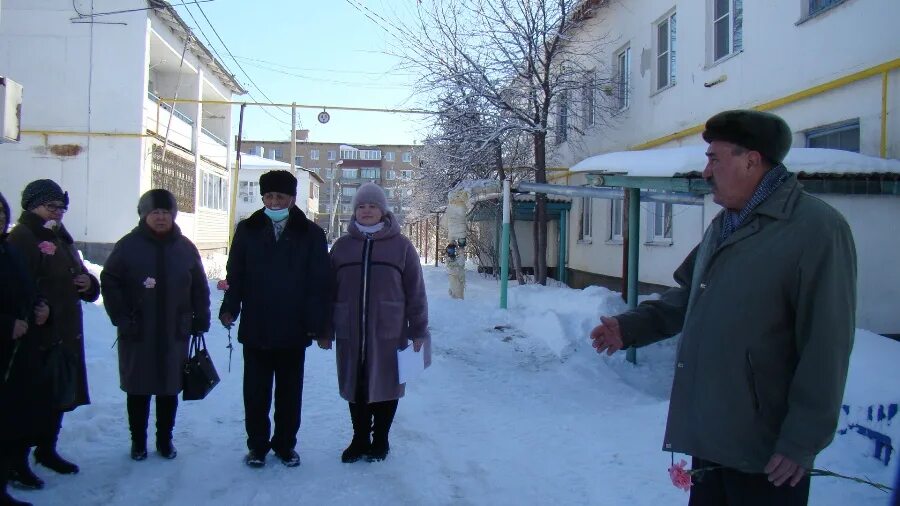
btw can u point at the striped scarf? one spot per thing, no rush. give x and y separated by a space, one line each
770 182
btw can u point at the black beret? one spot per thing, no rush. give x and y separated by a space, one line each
280 181
41 191
754 130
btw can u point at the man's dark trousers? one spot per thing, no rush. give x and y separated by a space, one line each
261 367
729 487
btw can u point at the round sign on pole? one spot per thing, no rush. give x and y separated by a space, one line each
324 117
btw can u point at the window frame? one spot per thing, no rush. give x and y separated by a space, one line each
349 173
735 30
670 19
332 155
407 156
623 78
586 223
389 156
589 99
616 236
313 154
835 128
668 213
562 117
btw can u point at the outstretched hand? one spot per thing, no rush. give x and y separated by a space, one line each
324 343
607 336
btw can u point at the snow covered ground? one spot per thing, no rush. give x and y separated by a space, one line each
516 409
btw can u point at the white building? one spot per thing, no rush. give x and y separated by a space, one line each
830 68
249 198
93 122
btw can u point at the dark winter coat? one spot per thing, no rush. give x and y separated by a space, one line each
767 320
23 406
154 319
379 306
54 275
280 289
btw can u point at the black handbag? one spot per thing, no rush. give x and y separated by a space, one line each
200 376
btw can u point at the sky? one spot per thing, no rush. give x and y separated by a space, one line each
516 408
329 53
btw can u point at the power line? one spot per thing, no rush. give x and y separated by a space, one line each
314 69
221 59
331 81
225 46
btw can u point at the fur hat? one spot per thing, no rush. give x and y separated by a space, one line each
754 130
157 199
370 193
38 193
280 181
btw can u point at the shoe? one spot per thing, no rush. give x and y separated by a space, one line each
379 450
25 479
289 458
51 460
8 500
138 450
166 449
358 449
255 459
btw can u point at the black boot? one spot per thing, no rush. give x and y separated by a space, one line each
138 414
384 416
166 406
45 454
362 428
5 498
20 473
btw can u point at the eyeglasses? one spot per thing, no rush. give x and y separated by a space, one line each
53 208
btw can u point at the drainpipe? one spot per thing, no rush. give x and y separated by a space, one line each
634 241
504 248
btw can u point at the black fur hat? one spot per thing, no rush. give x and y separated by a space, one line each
754 130
157 199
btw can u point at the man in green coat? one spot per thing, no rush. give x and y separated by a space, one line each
766 307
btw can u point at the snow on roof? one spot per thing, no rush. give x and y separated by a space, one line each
258 162
687 160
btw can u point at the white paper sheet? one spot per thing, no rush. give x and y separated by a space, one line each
410 364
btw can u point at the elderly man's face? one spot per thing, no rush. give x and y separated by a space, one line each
277 200
733 172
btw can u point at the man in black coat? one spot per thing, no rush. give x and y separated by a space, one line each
278 275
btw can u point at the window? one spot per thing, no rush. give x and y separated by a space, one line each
370 154
313 154
587 210
277 153
313 191
659 223
332 154
298 160
616 220
665 52
214 192
347 208
844 136
727 36
407 156
248 191
389 156
369 173
623 78
817 6
389 193
562 118
258 151
588 98
348 191
349 154
406 174
329 173
392 174
348 173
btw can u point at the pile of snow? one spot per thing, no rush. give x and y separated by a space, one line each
517 408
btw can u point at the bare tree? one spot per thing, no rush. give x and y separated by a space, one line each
519 63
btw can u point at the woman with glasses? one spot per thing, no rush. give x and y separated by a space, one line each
61 278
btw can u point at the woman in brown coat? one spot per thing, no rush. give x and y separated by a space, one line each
379 307
63 281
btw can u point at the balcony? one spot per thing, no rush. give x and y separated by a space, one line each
157 118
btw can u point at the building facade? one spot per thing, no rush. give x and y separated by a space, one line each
673 64
343 168
93 119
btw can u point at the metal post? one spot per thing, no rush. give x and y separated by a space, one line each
634 242
504 248
237 174
427 236
294 138
563 245
437 237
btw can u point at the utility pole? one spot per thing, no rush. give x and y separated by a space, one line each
293 138
334 201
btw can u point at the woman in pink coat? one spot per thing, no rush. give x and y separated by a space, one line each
379 307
